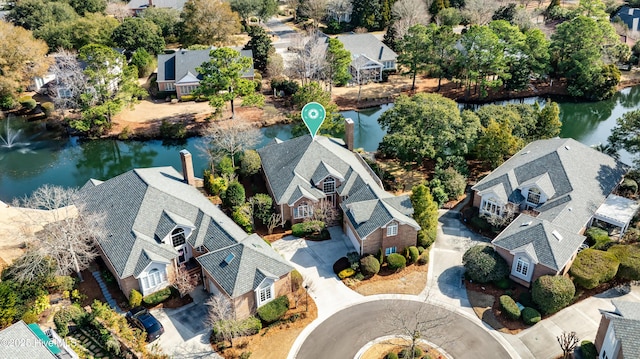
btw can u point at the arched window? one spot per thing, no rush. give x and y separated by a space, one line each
177 237
302 211
534 195
329 185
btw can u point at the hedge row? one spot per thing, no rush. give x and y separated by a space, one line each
157 297
509 307
305 229
274 310
629 257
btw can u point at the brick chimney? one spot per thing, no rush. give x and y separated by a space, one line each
187 167
349 128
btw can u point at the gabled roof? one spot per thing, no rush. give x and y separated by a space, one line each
579 177
626 326
628 15
241 267
293 168
143 4
367 45
32 348
553 245
143 205
181 66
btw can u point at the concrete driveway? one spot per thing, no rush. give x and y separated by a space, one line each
314 260
185 333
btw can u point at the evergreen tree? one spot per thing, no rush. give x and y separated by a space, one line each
425 212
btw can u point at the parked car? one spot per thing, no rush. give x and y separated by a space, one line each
142 319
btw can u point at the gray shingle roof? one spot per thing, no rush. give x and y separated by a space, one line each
19 342
292 167
182 64
368 45
629 310
253 260
551 251
627 15
140 206
626 331
580 179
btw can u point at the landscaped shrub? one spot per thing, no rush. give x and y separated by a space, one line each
417 352
452 181
593 267
242 216
396 261
28 103
65 315
253 325
424 258
391 355
597 237
509 306
404 354
296 280
346 273
629 186
420 249
412 254
369 266
29 317
48 108
380 256
214 186
135 298
629 257
305 229
250 163
530 316
284 85
503 283
340 265
588 350
552 293
157 297
483 264
234 196
225 167
63 283
354 260
274 310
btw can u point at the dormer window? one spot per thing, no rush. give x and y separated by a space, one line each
177 237
329 185
533 196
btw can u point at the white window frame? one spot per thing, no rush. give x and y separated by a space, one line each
301 211
533 196
390 250
153 279
265 294
329 185
169 86
392 229
491 206
522 267
176 233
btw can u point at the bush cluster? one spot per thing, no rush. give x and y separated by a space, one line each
509 307
234 196
135 298
369 266
296 280
629 257
27 102
588 350
48 108
158 297
552 293
250 163
307 228
274 310
396 261
241 215
284 85
64 316
483 264
341 264
213 186
597 237
530 316
346 273
412 254
424 258
629 186
593 267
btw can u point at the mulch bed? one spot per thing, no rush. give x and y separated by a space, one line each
508 325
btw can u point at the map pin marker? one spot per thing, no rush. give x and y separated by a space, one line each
313 115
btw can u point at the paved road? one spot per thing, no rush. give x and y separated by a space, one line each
344 333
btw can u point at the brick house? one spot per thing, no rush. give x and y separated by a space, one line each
557 188
156 221
617 335
369 57
304 173
177 72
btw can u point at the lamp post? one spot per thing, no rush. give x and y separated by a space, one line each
306 298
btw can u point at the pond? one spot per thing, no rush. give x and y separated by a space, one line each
35 159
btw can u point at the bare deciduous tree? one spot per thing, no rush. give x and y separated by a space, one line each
69 231
228 138
31 266
323 211
568 342
407 13
118 10
309 60
274 221
340 10
221 317
314 10
275 65
183 281
71 82
502 220
479 12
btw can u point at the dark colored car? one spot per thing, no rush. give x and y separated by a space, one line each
142 319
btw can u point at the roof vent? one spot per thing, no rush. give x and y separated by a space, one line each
229 258
567 147
524 224
557 235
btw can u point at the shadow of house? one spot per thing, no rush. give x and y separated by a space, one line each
556 187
